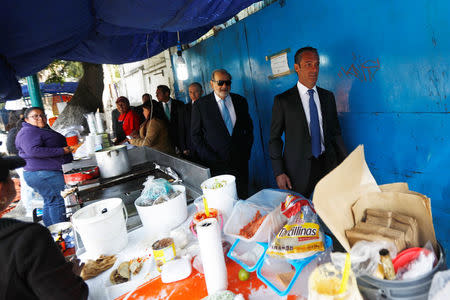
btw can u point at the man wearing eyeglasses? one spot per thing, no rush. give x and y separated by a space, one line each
307 116
222 131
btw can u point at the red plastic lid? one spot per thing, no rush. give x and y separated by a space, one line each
406 256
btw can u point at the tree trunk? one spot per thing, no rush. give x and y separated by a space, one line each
87 98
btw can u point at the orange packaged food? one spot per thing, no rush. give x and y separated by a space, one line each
249 230
201 215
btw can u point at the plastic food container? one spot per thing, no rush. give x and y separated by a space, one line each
159 219
248 255
267 202
220 192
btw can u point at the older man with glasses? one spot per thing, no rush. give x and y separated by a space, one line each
222 131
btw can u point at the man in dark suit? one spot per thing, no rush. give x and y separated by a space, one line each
172 109
222 131
184 126
307 115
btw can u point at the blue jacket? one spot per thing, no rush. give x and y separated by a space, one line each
42 148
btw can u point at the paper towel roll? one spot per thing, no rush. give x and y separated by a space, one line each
210 242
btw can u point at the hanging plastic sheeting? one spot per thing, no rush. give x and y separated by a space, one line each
53 88
34 33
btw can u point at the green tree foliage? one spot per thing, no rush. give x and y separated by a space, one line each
61 70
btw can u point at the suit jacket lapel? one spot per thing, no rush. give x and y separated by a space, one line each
299 108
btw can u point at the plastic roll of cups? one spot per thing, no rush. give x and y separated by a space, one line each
90 118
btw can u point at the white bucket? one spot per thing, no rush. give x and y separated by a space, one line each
102 226
221 198
160 219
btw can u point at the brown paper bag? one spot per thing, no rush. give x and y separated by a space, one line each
386 222
397 235
409 226
406 224
401 187
407 204
335 194
354 235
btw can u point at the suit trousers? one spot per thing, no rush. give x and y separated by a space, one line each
318 170
240 171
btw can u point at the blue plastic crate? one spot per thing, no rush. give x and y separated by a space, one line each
298 265
250 245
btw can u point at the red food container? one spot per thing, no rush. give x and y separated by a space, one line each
80 175
72 140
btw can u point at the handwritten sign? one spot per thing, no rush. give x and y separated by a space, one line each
279 64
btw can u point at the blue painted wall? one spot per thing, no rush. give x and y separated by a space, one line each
388 63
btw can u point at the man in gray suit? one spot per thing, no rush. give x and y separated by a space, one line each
307 115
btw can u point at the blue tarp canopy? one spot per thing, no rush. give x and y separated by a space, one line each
53 88
34 33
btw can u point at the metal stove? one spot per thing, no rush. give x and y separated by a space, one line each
129 186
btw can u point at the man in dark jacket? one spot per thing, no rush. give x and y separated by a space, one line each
306 115
172 110
32 266
184 125
222 131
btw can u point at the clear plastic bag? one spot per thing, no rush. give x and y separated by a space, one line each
155 191
364 256
302 235
422 265
440 286
71 130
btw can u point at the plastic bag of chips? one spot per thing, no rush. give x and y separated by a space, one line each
302 236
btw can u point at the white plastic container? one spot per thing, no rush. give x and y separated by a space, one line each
221 198
268 203
102 227
244 212
160 219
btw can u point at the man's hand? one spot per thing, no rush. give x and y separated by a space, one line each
284 182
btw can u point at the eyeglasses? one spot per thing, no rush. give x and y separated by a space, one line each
222 82
35 117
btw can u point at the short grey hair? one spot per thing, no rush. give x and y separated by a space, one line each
223 71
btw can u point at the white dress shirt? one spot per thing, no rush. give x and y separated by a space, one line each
303 91
230 106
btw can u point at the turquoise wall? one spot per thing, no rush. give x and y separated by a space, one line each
388 63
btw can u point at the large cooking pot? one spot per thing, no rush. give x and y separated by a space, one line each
113 161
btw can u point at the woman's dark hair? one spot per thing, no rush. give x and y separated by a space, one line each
30 109
157 112
123 99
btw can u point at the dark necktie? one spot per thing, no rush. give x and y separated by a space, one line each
314 126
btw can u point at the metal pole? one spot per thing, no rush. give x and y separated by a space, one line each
34 91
